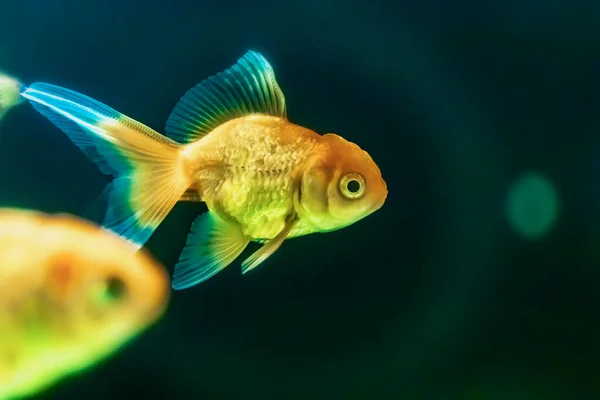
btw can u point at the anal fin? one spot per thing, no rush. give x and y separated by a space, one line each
213 244
268 248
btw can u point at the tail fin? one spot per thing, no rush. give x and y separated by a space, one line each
149 179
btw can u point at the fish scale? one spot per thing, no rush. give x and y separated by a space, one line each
259 155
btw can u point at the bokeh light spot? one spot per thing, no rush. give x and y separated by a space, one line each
532 205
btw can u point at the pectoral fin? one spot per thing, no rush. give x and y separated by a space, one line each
268 248
213 244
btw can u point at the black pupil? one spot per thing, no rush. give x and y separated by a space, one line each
353 186
115 288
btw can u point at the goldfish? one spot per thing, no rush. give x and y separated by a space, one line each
227 143
71 294
10 95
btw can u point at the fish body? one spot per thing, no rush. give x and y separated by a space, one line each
257 163
10 94
229 144
71 295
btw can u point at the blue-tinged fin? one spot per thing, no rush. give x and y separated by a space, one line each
149 179
212 244
248 87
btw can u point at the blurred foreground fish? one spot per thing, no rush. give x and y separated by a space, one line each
10 89
71 294
230 145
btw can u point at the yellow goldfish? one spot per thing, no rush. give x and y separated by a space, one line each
9 94
71 294
229 144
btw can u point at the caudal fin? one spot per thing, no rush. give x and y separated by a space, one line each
149 179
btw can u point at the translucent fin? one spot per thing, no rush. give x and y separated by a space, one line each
213 244
268 248
248 87
148 177
95 210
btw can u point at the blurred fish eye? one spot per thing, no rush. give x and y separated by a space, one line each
109 291
352 185
115 288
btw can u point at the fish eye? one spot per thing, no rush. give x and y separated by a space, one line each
352 186
115 288
110 291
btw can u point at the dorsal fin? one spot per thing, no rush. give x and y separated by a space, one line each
248 87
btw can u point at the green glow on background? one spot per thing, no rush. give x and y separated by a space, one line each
532 205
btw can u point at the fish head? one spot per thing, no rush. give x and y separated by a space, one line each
340 185
102 291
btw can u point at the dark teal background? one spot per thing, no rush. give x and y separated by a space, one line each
432 297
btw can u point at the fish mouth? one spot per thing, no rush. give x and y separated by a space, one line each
376 206
381 197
